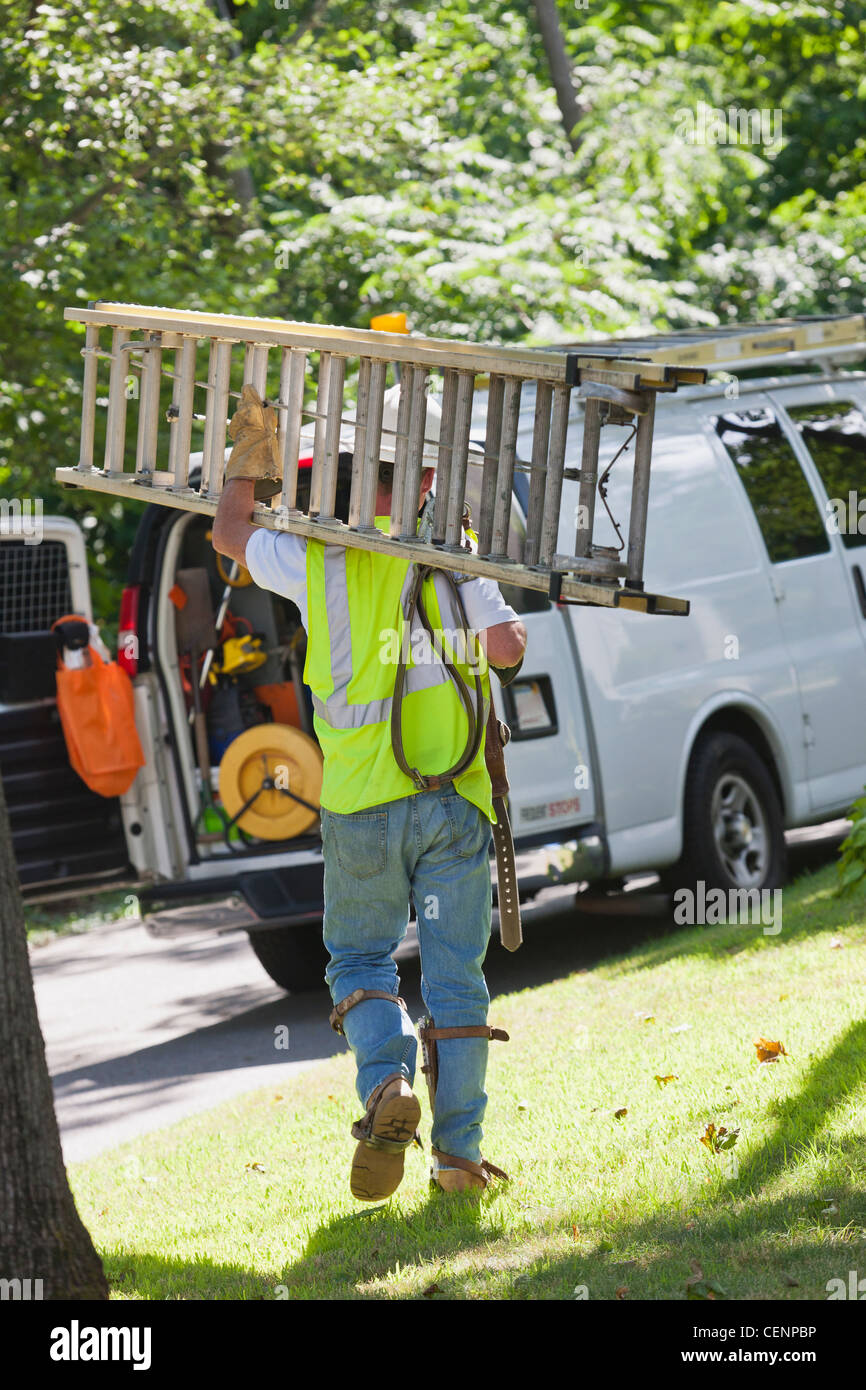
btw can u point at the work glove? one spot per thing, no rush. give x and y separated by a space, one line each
253 430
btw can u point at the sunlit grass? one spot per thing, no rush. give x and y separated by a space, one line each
603 1205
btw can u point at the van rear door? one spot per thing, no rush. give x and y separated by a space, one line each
64 836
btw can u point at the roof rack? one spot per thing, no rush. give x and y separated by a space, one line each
779 341
277 357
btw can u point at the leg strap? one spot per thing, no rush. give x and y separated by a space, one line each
363 1128
429 1034
485 1170
357 996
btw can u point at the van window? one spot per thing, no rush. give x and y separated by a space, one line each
787 513
834 432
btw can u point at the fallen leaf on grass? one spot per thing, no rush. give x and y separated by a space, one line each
717 1140
621 1291
824 1208
523 1105
663 1080
430 1290
792 1282
255 1167
699 1287
574 1233
275 1099
769 1051
621 1113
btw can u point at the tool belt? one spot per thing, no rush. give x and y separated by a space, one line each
496 735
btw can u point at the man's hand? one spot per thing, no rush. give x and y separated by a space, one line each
256 451
232 527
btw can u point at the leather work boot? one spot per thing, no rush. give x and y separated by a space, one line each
461 1174
385 1132
453 1180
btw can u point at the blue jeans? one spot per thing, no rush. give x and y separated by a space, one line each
433 846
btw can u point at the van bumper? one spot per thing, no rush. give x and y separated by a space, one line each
581 856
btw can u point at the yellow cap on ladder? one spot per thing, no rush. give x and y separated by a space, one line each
390 323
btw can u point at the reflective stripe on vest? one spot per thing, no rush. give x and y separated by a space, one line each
336 709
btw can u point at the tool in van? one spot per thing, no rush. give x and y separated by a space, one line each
195 635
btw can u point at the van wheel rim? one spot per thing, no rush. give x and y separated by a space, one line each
740 830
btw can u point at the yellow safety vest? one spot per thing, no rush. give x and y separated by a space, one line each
354 622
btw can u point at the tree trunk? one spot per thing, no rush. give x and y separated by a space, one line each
41 1234
560 68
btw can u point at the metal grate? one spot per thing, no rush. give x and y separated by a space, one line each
34 585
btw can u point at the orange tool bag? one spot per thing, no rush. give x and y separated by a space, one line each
96 707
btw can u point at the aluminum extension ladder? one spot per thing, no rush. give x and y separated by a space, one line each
620 392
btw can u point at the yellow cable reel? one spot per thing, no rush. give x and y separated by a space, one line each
262 766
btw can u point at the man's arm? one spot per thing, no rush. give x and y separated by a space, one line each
232 526
504 644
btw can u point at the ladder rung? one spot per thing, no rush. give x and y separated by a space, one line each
415 459
493 437
293 368
115 429
459 459
215 429
181 424
400 447
150 383
333 422
538 479
505 469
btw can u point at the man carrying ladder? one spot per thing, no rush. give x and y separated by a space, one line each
407 799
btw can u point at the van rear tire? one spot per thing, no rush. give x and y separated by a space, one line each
293 956
733 831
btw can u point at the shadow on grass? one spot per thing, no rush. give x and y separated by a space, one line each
363 1248
151 1276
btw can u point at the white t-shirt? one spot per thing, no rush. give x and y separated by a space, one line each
277 560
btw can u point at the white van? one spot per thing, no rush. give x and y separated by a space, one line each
682 745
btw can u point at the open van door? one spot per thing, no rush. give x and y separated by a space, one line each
64 836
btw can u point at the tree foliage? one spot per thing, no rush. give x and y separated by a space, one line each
411 156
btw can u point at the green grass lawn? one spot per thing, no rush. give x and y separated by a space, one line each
251 1200
46 921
